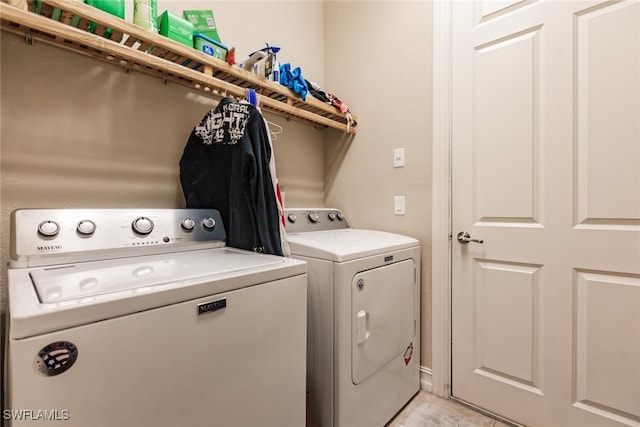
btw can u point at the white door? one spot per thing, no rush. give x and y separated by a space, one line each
546 171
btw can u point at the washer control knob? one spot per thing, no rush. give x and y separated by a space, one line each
142 225
48 228
209 223
86 227
332 216
292 218
313 217
339 216
188 224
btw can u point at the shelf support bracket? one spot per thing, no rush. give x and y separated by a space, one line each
28 38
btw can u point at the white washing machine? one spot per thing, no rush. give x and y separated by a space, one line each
363 355
145 318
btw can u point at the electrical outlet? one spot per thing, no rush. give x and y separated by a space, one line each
398 205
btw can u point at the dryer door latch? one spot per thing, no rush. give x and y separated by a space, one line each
361 327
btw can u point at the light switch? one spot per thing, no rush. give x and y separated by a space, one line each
398 205
398 157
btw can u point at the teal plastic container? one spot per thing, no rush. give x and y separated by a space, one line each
210 46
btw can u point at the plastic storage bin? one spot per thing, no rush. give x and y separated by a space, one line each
209 46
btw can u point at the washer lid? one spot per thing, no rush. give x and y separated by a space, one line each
47 299
83 280
348 244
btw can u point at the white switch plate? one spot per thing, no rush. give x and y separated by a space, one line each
398 205
398 157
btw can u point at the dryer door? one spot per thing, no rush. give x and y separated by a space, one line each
382 325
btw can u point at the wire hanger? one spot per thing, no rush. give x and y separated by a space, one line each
254 99
274 134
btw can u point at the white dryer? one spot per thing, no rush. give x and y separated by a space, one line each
363 339
143 317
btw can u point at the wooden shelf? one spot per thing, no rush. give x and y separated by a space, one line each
121 43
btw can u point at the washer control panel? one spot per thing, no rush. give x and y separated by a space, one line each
92 234
319 219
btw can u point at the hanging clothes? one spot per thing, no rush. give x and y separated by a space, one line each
225 166
252 98
286 247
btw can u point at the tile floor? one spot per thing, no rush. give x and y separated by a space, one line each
428 410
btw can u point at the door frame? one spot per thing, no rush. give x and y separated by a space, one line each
441 198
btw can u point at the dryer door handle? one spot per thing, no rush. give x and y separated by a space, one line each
361 327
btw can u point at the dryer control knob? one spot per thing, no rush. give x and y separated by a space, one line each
86 227
332 216
48 228
209 223
313 217
188 224
340 216
292 218
142 225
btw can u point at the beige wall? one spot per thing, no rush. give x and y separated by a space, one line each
78 133
378 57
75 132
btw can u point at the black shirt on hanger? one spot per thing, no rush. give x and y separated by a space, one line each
225 166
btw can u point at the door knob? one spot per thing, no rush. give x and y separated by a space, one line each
464 237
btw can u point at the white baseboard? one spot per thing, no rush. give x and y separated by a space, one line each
425 379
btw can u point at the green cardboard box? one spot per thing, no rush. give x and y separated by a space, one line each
176 28
203 23
114 7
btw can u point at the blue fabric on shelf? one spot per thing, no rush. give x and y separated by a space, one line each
294 80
